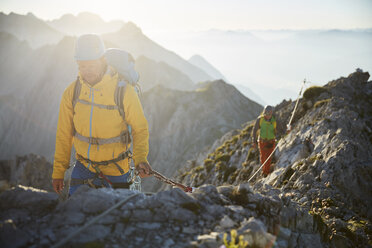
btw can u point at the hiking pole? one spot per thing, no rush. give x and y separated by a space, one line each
164 179
263 164
288 127
294 110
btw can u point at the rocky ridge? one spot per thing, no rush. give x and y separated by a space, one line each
34 218
323 165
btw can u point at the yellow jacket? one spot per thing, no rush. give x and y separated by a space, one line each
92 121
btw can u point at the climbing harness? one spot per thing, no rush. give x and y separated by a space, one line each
288 126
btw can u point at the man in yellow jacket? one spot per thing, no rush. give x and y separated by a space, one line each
94 125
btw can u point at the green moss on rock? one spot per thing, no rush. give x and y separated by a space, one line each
313 92
223 158
321 102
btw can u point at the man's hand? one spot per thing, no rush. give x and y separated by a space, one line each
289 129
144 170
58 185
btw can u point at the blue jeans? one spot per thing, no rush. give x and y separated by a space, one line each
81 172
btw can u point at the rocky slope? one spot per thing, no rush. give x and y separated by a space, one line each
183 123
323 166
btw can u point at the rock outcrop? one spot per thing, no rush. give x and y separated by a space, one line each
34 218
30 170
323 165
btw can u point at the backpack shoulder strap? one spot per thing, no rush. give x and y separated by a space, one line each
119 97
77 89
273 121
261 120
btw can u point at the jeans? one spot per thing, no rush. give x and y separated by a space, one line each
81 172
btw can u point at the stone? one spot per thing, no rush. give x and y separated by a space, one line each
168 243
175 196
293 240
254 231
35 200
188 230
309 241
93 233
284 233
227 223
11 236
141 215
69 218
119 229
148 225
225 190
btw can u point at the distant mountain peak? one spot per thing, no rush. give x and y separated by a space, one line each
89 15
131 28
202 63
30 14
84 22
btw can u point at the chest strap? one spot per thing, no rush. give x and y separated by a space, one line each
124 138
102 106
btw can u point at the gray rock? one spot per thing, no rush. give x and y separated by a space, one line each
141 215
68 218
225 190
309 241
88 200
168 243
148 225
208 240
254 231
109 219
293 240
189 230
93 233
119 229
175 196
281 244
181 214
22 197
227 223
284 233
11 236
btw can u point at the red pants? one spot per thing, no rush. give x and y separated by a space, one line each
266 148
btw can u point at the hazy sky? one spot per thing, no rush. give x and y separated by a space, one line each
193 15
